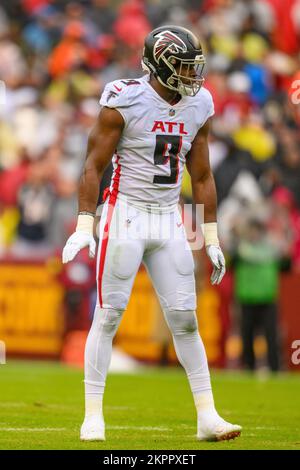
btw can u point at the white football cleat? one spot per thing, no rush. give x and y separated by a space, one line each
217 430
93 429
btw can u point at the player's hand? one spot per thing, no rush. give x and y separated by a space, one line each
218 261
76 242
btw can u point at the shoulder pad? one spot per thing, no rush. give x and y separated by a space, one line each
121 93
205 99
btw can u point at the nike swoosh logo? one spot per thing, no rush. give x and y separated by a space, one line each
117 88
178 225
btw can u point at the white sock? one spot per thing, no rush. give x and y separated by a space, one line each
205 406
189 348
93 399
97 357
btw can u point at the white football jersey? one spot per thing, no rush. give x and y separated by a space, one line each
150 157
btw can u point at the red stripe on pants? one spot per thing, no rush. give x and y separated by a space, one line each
111 205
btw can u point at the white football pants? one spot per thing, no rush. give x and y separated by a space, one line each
129 236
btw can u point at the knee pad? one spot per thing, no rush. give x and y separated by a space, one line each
117 299
181 322
106 320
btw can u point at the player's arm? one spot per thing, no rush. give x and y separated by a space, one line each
102 142
204 192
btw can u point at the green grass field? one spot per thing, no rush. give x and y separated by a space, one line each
41 407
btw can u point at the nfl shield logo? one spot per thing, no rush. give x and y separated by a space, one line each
172 112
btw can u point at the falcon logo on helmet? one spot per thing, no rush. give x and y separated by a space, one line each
168 41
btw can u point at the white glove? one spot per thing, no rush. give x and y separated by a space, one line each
217 259
75 243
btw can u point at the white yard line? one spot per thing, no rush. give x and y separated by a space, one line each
140 428
11 429
133 428
58 406
8 404
267 428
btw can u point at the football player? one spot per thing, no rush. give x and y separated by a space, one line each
151 127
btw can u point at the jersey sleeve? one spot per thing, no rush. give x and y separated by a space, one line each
120 95
210 108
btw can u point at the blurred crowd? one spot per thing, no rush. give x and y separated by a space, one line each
56 57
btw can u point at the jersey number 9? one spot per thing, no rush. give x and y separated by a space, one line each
167 150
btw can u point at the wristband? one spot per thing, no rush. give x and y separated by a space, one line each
87 213
85 223
210 233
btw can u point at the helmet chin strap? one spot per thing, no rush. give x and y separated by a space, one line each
169 87
187 90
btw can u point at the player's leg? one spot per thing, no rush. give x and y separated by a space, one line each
171 269
118 261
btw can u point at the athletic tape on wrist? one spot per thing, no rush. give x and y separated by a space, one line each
210 233
85 223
